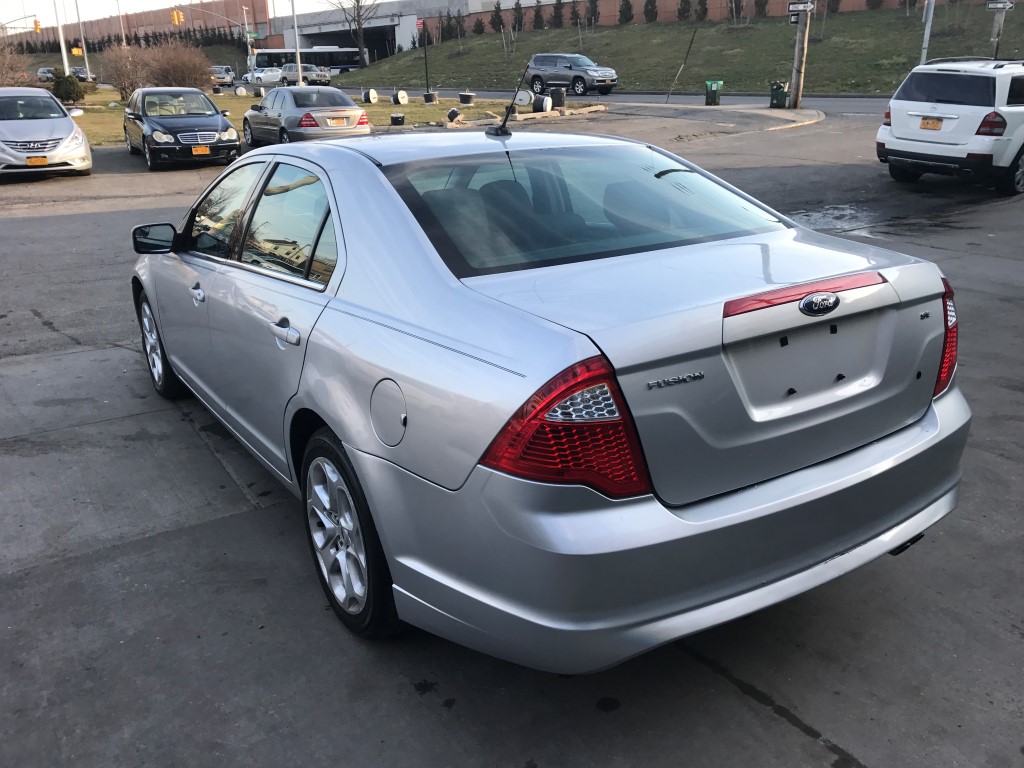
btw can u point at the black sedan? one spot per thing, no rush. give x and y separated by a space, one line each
178 125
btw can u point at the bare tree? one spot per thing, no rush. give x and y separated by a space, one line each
176 64
358 14
13 66
125 68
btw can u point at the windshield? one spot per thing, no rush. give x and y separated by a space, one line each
948 88
501 212
30 108
581 62
188 104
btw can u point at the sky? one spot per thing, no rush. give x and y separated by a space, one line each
98 9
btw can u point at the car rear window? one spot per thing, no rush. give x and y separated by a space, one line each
948 88
308 99
501 212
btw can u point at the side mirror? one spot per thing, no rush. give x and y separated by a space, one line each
131 115
225 112
256 107
76 112
153 238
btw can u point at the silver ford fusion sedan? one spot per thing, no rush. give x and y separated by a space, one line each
561 399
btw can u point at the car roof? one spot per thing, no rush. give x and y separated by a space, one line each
973 66
169 90
19 91
393 149
562 54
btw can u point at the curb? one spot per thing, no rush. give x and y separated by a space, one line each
818 117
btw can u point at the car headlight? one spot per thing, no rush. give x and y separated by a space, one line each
163 138
229 135
75 140
593 72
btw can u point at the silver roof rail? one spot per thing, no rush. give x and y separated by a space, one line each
959 58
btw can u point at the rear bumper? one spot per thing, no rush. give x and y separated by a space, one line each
982 155
565 580
309 134
980 165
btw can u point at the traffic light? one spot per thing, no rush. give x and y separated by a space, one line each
177 18
38 27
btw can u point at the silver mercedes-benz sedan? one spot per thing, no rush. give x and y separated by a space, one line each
561 399
301 113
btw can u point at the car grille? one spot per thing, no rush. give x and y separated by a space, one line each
46 145
198 137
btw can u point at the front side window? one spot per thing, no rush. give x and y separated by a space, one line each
498 213
288 219
218 213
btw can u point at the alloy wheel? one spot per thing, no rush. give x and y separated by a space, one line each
151 342
1018 175
247 132
336 534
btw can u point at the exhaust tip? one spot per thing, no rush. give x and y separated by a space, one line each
906 545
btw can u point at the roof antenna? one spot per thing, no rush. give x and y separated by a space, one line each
503 130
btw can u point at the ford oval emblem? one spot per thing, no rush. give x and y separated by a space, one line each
818 304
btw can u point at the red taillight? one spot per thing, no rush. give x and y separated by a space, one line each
575 429
948 364
363 120
993 124
307 121
887 120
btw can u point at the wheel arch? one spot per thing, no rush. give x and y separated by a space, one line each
304 423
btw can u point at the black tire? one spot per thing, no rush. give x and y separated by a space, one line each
1011 181
250 140
285 137
132 149
604 90
167 384
579 86
537 85
377 617
305 81
150 162
903 175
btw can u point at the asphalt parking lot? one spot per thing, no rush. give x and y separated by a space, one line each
158 606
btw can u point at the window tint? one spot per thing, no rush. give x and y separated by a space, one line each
181 103
218 213
948 88
563 62
1016 95
268 100
331 98
30 108
325 255
560 206
286 222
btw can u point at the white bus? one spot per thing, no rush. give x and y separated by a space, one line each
337 59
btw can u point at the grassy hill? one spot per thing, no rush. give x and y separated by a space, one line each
862 52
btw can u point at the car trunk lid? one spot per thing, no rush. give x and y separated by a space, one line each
724 399
941 107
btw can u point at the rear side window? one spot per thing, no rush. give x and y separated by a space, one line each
501 212
1015 97
948 88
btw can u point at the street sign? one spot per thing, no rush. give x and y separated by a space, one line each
419 23
801 7
794 18
76 51
999 5
253 35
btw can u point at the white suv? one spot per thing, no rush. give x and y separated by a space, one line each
957 117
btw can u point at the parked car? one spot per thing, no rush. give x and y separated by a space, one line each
248 76
957 117
311 75
300 113
222 75
178 125
45 74
38 135
570 70
82 75
267 76
559 398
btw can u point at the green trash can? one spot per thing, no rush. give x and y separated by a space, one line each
779 95
712 93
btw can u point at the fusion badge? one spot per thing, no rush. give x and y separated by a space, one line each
818 304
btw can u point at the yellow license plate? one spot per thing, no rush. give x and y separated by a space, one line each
200 150
337 122
931 123
37 161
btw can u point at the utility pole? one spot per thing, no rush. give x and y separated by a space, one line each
929 11
997 32
120 20
60 34
85 49
298 56
803 29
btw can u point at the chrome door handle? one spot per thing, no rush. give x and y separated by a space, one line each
198 294
285 332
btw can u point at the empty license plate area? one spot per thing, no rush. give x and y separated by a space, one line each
931 123
801 368
200 150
